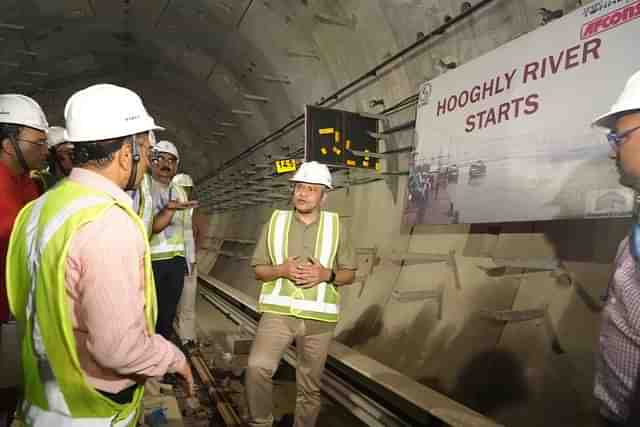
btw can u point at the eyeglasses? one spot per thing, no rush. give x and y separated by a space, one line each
299 188
39 143
617 139
157 158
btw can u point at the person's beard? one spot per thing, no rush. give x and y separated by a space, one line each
626 178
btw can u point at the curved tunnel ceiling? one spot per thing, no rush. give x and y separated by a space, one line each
221 74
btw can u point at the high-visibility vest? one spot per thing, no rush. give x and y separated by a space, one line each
144 203
165 246
56 388
281 296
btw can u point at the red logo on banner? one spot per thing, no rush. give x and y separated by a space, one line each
611 20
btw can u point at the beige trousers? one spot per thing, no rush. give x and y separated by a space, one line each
275 334
186 314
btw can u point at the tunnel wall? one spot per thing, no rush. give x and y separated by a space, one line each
416 316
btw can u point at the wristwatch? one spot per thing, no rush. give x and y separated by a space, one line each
332 278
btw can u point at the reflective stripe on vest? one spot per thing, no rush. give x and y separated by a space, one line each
56 391
322 302
145 203
163 247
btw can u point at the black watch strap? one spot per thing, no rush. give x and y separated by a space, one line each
332 279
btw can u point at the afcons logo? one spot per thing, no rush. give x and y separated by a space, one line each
611 20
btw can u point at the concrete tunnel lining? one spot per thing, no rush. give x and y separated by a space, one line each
194 62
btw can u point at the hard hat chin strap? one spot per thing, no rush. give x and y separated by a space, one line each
135 159
19 155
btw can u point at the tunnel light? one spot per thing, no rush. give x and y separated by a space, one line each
242 112
214 133
37 73
278 79
21 83
11 26
250 97
10 64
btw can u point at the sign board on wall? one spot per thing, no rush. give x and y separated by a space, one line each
340 138
507 136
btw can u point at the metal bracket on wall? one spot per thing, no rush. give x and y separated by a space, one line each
543 263
556 269
514 316
368 257
564 277
336 20
376 135
413 258
529 265
367 154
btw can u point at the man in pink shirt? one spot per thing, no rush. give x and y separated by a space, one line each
105 267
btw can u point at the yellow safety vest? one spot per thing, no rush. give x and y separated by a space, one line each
145 203
167 247
281 296
56 389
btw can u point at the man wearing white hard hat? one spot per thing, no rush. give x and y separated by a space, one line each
618 361
60 160
80 278
60 153
185 322
302 258
23 148
172 242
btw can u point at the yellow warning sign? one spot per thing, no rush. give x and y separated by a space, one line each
285 165
325 131
351 163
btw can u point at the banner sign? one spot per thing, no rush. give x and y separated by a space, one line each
508 137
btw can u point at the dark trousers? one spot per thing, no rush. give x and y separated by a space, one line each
169 278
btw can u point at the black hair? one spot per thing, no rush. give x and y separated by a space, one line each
9 131
97 153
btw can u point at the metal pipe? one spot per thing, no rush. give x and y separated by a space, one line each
298 120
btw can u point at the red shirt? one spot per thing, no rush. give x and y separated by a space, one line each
15 192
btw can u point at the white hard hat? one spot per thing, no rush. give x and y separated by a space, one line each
629 100
105 111
55 136
313 173
182 180
166 147
22 110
